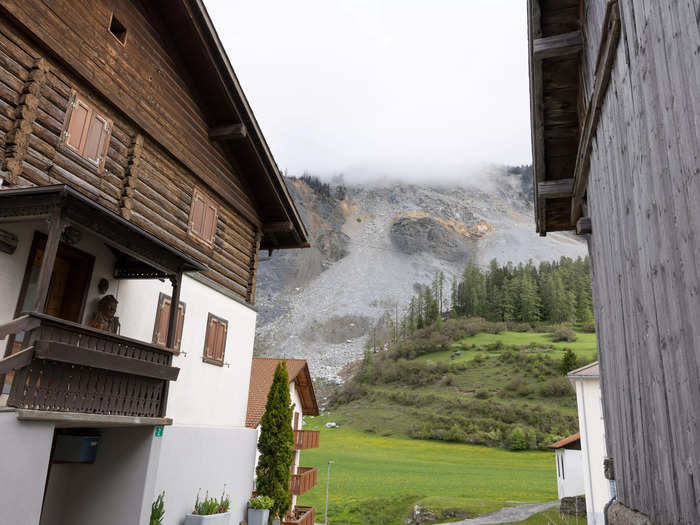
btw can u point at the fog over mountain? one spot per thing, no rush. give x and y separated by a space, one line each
373 243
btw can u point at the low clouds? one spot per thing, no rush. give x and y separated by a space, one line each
371 88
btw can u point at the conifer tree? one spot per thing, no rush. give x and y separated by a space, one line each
276 444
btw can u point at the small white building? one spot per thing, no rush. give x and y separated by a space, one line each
569 458
599 491
301 391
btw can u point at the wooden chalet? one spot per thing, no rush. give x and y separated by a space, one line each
614 97
133 177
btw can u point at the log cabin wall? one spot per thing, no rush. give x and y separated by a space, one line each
159 149
643 200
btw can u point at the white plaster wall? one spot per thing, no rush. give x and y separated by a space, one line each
592 425
194 458
112 491
23 466
571 483
204 394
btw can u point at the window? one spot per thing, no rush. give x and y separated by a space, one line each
117 29
215 341
160 330
86 132
203 217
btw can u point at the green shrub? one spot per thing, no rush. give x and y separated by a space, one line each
261 502
518 327
517 440
564 333
483 394
556 387
568 361
158 510
588 327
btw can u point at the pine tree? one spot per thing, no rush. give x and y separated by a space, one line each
276 444
568 361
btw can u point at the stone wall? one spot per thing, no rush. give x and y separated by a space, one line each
618 514
573 505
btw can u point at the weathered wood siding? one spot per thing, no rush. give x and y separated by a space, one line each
156 156
644 202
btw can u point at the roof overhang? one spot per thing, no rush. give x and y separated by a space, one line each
571 442
307 395
232 123
132 243
564 116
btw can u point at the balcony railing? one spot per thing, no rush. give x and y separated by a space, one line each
67 367
306 439
301 516
305 479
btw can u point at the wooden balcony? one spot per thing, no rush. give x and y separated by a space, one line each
300 516
68 367
306 439
305 479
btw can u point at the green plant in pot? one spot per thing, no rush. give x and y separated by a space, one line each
210 511
259 510
158 510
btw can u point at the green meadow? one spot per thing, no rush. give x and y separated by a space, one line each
377 479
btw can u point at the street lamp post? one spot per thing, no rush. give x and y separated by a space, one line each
328 480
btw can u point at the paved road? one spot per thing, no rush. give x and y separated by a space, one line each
508 514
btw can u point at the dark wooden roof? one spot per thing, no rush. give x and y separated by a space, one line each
189 32
132 243
555 44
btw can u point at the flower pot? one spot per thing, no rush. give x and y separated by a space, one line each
211 519
276 521
258 516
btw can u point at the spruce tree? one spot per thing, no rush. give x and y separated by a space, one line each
276 444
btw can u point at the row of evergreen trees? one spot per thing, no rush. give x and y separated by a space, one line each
553 292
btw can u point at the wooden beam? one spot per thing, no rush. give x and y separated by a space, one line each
79 419
56 226
67 353
554 189
15 361
176 281
21 324
8 242
583 226
603 70
229 132
536 111
282 226
557 45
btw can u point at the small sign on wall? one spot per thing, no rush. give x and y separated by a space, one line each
159 431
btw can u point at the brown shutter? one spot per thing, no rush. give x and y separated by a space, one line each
203 214
160 330
197 214
77 124
296 420
215 341
96 137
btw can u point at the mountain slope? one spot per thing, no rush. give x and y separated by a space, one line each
372 244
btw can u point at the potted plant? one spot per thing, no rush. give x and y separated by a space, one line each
210 511
158 510
259 510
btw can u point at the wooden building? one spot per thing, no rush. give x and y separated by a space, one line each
133 177
615 100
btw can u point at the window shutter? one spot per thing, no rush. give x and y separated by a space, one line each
215 342
96 139
209 227
160 331
197 214
296 420
203 215
78 120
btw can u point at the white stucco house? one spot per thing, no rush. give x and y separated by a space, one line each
599 491
301 391
569 460
136 182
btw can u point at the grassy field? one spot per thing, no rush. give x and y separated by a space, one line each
377 480
584 346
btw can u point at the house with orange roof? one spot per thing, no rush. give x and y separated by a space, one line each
301 391
569 459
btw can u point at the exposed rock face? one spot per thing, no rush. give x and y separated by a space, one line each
372 246
574 506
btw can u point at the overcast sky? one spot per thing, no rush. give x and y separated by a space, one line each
405 88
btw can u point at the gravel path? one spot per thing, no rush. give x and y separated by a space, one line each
508 514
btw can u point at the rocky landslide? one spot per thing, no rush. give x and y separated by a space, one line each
371 246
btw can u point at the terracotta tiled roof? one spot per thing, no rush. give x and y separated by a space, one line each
567 441
590 370
261 374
